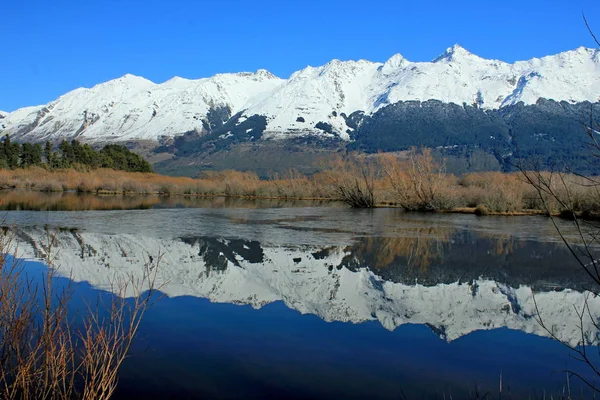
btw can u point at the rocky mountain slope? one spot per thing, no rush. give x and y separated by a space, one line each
314 101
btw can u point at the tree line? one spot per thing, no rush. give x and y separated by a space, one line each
71 154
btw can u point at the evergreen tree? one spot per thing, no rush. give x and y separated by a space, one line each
48 154
12 152
66 154
70 155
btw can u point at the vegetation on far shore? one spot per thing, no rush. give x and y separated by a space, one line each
415 183
69 155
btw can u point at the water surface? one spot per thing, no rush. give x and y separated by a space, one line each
329 302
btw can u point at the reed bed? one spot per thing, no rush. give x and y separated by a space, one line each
414 183
225 183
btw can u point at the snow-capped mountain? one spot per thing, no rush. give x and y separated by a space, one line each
133 108
215 270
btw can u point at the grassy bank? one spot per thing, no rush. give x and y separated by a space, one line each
415 183
226 183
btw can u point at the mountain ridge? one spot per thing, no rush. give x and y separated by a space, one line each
134 108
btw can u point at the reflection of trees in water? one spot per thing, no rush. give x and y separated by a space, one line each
72 201
503 245
417 251
435 255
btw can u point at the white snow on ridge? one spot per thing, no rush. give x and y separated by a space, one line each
310 287
314 94
134 108
456 76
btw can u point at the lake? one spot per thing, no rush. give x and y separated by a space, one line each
273 300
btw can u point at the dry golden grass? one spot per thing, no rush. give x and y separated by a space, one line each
413 183
496 191
225 183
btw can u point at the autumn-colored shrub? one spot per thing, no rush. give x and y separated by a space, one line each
496 191
412 180
351 180
418 181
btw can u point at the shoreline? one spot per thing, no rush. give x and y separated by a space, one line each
105 194
485 193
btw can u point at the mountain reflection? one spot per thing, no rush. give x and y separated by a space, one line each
453 280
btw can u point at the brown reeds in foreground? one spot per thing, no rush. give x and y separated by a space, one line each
47 352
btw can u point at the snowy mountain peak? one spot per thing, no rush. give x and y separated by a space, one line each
265 74
130 79
259 75
395 62
350 64
114 89
335 63
455 53
578 56
176 80
132 107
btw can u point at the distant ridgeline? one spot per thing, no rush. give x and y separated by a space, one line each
549 134
69 155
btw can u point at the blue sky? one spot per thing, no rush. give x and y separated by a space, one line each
50 47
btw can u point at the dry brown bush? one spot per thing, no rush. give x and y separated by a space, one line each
416 182
351 180
43 353
419 182
495 191
562 193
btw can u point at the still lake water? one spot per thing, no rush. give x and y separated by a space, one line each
329 302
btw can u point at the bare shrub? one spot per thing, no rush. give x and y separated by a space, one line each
291 185
418 181
571 195
43 353
495 191
351 180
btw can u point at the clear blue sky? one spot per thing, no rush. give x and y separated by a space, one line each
50 47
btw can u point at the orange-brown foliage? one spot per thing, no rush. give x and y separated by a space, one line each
414 183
